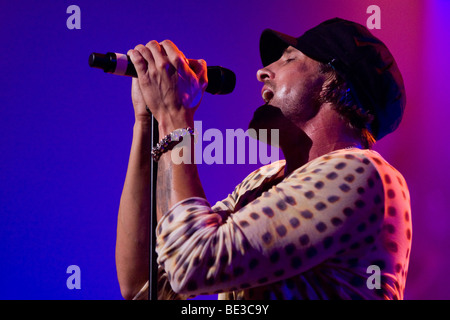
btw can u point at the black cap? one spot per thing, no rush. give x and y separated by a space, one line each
359 57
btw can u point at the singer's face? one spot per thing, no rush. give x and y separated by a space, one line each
293 84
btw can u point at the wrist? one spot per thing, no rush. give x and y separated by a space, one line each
170 141
168 125
142 123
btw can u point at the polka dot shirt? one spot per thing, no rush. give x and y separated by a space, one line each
313 234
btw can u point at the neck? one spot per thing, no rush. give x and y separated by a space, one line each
325 133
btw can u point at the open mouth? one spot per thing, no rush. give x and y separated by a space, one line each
267 95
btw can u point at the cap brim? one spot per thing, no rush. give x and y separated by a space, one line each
272 45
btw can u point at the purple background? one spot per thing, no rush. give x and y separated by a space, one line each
65 129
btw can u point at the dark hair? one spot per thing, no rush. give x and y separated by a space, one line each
337 92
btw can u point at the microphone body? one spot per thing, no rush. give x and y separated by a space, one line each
220 80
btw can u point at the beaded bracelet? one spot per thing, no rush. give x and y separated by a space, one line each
169 141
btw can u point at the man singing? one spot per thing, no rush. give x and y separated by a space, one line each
331 221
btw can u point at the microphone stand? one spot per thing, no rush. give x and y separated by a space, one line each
153 266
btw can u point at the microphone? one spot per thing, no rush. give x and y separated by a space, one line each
220 80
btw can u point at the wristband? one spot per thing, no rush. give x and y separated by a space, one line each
169 141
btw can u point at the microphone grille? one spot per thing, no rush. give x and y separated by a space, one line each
220 80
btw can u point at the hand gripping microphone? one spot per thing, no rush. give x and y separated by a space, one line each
220 80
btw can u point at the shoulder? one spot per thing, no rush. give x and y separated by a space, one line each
351 171
359 161
347 171
346 159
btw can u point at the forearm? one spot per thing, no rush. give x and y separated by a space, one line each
177 182
132 245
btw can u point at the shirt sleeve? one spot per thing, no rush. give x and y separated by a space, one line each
314 214
165 291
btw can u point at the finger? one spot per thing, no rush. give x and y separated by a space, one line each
175 56
159 55
147 55
200 69
139 62
156 51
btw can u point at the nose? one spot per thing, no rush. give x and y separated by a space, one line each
264 74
